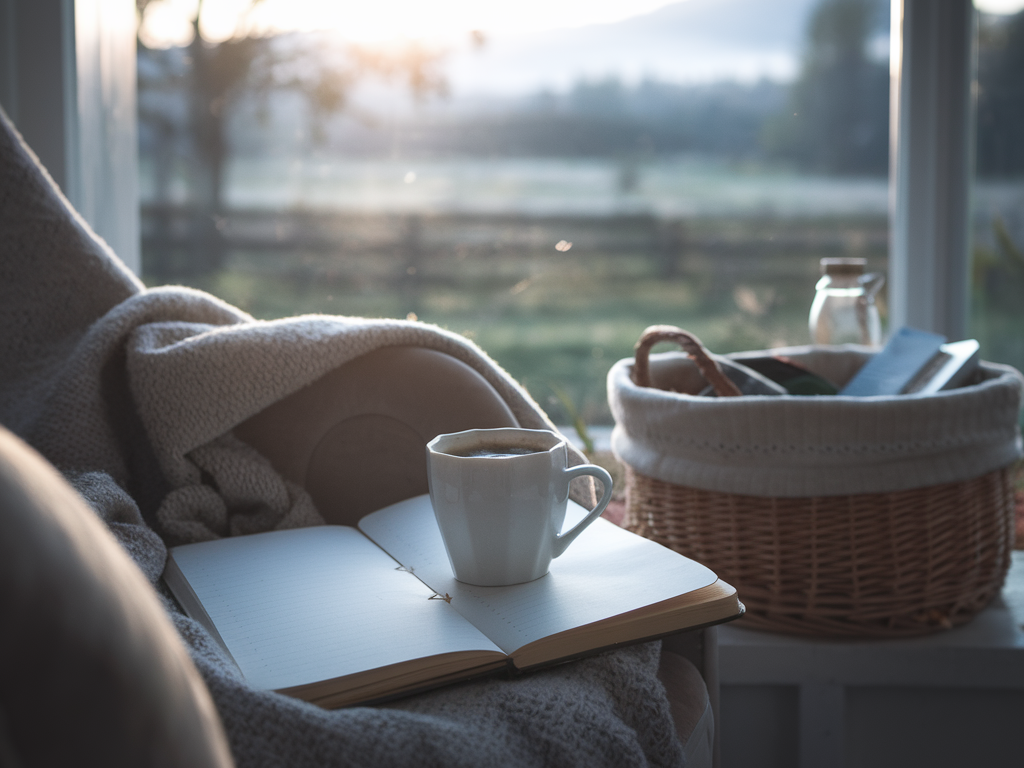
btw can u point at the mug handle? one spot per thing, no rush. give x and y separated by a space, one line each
563 540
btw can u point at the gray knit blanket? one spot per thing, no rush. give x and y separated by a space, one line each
133 393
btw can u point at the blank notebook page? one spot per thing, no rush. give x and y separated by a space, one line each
605 572
312 604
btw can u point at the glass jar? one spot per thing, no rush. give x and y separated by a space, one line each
844 309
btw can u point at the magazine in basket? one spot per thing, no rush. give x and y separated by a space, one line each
339 616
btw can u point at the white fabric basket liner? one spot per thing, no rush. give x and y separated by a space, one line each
794 446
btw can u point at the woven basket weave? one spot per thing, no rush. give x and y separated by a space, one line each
880 564
888 564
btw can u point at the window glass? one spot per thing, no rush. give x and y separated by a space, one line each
546 178
997 297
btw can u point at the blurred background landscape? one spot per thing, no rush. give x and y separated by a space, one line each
550 190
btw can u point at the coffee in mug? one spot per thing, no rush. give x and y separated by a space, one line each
499 496
493 451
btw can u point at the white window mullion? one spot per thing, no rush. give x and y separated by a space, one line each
106 191
933 48
67 81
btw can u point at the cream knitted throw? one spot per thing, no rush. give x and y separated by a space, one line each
132 393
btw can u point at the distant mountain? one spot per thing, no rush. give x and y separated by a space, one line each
690 41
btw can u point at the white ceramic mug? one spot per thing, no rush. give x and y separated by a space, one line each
501 514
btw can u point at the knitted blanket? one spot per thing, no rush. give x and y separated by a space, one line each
132 394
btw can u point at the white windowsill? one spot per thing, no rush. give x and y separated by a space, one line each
986 653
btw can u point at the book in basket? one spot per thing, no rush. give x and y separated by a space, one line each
339 616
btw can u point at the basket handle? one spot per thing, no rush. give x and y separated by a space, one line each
691 345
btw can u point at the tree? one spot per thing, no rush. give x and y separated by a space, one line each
838 116
1001 97
219 75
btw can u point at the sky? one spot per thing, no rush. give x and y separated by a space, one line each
999 6
535 44
167 21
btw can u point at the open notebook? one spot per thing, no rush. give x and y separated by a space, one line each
339 616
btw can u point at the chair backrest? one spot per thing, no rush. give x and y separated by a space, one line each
92 672
356 438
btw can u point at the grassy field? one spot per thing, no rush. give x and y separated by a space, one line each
549 317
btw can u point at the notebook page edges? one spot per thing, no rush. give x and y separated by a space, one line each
607 571
188 600
310 604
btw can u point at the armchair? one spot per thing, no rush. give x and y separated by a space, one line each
143 400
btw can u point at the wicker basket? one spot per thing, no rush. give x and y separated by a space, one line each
884 564
881 564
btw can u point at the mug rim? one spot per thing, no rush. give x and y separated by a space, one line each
462 438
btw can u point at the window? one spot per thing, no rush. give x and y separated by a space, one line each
548 187
997 317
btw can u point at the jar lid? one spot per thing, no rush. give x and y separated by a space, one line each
850 265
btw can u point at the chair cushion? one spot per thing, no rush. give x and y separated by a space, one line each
91 670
